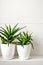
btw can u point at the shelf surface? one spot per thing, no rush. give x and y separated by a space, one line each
32 58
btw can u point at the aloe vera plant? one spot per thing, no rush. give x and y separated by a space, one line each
8 34
25 39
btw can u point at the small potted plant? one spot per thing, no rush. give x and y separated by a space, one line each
8 36
24 45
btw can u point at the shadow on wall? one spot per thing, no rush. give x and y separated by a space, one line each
35 51
0 50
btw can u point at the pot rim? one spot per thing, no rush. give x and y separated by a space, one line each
7 44
24 45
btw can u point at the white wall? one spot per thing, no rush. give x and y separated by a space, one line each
25 12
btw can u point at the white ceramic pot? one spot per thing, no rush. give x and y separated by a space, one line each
24 52
8 51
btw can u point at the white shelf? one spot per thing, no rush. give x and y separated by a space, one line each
32 58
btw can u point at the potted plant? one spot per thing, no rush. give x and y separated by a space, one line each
24 45
8 36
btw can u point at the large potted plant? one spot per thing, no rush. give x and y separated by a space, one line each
8 36
24 45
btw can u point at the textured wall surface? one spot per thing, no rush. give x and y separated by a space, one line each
27 13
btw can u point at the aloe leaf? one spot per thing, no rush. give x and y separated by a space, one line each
7 28
31 44
4 38
2 29
3 34
14 27
8 34
10 29
15 31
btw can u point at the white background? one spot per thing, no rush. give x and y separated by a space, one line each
27 13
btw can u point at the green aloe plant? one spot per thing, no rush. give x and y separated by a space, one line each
25 39
8 34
